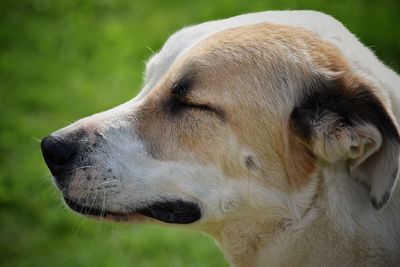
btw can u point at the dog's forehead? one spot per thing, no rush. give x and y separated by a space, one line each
183 40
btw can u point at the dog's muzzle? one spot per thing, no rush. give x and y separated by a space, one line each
64 153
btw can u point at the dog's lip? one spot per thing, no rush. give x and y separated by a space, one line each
173 211
91 211
168 211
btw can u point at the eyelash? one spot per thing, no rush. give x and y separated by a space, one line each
197 106
178 103
183 104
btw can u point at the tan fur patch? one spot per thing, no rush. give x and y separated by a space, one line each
236 70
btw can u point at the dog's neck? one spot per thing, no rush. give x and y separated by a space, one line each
243 239
256 242
251 243
322 237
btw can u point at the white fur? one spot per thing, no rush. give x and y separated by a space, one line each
141 179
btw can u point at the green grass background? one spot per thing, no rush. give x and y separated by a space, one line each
62 60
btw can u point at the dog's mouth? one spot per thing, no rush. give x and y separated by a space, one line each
172 211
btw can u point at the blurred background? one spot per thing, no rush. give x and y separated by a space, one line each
62 60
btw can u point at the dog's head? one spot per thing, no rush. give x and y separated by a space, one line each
248 120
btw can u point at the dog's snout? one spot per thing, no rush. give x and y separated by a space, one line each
57 152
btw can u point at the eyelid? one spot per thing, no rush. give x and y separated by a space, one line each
180 101
183 101
205 107
198 106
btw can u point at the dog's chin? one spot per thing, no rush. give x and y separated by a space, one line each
168 211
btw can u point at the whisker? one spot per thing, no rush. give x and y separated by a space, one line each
150 49
36 139
83 167
78 223
94 198
108 182
103 207
79 168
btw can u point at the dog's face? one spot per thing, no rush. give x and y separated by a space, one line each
232 126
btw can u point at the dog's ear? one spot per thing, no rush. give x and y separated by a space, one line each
348 123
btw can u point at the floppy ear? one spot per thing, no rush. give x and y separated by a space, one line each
347 124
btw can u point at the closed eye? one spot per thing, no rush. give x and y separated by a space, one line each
197 106
178 106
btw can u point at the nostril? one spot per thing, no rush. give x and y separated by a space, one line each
56 151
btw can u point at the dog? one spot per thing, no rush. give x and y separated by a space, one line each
276 133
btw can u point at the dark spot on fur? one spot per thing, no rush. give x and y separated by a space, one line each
96 133
379 204
250 163
375 203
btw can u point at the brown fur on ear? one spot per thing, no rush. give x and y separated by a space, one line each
299 160
344 121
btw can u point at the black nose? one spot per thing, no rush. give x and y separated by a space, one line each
57 152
